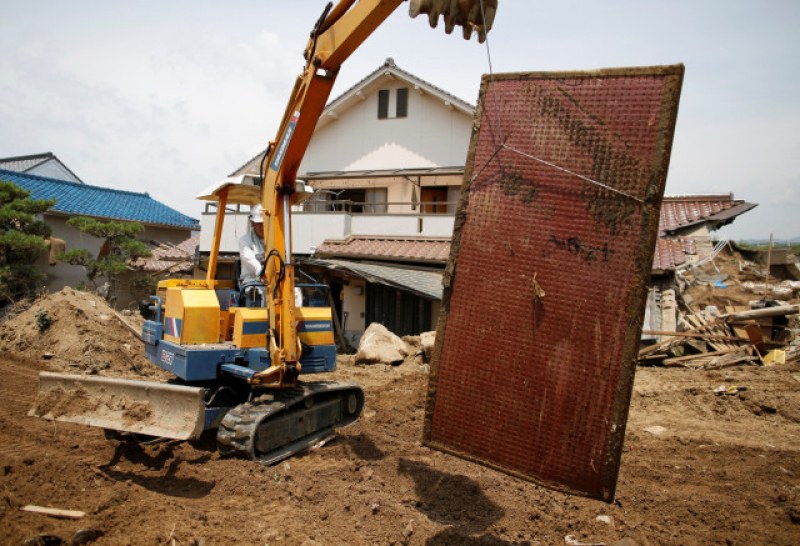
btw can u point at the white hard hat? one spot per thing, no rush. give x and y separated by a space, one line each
255 214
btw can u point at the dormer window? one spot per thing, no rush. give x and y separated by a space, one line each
400 103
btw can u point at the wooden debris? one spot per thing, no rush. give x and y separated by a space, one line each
127 325
709 342
53 512
682 359
766 312
712 341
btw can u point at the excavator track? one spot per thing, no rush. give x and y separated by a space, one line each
283 422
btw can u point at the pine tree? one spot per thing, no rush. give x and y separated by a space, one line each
121 246
22 241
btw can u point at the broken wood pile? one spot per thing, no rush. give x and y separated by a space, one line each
710 340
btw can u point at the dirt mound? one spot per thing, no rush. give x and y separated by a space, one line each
77 332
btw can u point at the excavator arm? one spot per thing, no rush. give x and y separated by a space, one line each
339 31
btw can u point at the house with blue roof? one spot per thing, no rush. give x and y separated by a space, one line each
162 224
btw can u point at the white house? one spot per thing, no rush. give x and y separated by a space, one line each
386 159
46 164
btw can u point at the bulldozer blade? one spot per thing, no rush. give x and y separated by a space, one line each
142 407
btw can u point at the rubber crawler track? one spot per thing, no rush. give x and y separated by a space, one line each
238 429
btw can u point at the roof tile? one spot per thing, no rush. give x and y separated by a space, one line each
82 199
408 249
681 211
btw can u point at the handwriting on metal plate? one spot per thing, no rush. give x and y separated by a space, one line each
580 249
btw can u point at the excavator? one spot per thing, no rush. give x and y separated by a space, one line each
237 368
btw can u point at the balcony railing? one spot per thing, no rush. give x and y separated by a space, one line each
359 207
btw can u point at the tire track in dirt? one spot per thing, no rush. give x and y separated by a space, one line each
18 394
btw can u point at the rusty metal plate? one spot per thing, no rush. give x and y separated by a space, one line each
546 284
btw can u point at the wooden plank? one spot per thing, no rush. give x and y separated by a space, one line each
753 332
697 335
737 357
53 512
779 311
127 325
699 322
697 356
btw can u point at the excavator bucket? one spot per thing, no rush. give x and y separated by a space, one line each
142 407
471 15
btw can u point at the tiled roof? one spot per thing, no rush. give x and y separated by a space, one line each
24 163
385 173
424 283
379 247
676 212
682 211
169 258
77 199
671 253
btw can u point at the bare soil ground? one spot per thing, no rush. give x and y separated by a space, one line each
697 468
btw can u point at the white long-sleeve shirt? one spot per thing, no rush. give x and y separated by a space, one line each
251 255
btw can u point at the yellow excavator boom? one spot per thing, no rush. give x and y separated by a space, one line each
337 34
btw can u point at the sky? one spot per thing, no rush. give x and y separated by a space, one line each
170 97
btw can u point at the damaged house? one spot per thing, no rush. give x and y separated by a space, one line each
685 242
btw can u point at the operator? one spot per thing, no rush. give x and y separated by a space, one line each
251 257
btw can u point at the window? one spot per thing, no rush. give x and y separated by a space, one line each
434 200
375 200
352 200
402 102
383 104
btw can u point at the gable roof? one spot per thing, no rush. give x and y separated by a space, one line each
77 199
683 211
390 70
26 163
353 95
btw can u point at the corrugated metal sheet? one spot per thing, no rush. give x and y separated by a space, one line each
547 280
427 284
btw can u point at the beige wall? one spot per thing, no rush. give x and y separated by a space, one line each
62 274
354 304
432 135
